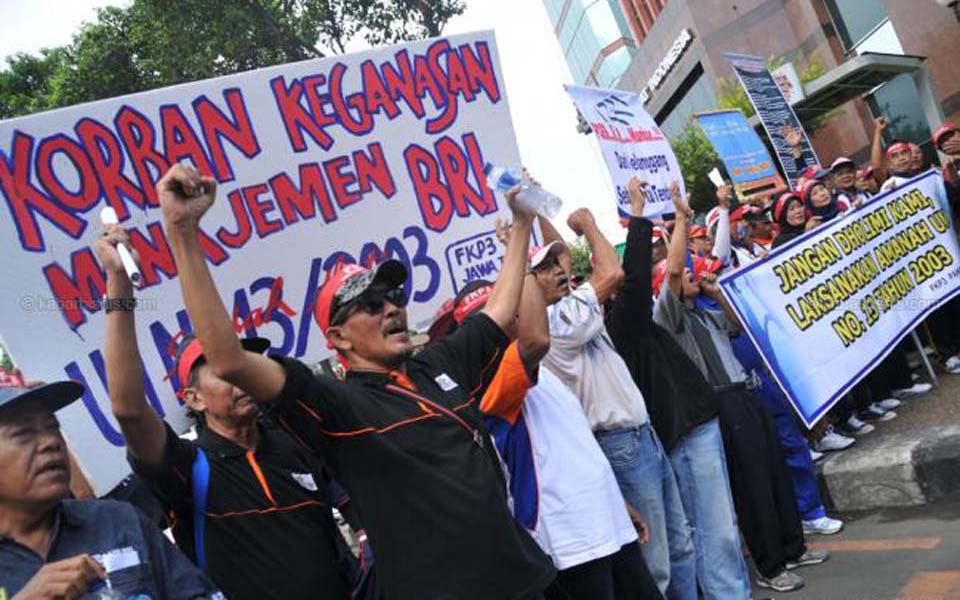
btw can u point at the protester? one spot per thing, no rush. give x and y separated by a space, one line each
791 217
266 529
820 203
51 547
761 484
563 489
866 183
843 172
701 243
916 159
402 433
683 410
583 357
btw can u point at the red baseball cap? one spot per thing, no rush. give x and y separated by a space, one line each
702 265
659 234
942 132
346 282
189 353
843 161
471 298
696 232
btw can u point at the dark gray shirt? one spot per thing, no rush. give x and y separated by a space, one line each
140 562
703 334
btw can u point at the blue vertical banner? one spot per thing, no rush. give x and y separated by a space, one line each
778 118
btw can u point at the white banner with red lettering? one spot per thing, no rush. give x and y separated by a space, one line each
353 157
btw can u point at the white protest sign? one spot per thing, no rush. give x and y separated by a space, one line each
354 157
632 145
826 308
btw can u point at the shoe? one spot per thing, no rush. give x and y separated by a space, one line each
952 365
784 582
875 413
854 426
889 403
815 456
914 390
833 441
914 377
822 526
809 558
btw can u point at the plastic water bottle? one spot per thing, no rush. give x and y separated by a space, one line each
531 195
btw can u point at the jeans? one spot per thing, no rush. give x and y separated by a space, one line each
647 482
701 468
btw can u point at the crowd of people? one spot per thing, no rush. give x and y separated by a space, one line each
615 438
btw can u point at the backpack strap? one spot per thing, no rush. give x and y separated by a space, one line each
201 482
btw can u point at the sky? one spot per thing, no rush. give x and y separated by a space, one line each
566 162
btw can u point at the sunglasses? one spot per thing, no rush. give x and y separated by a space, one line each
370 302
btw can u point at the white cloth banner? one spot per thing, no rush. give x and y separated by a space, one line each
354 157
632 144
826 308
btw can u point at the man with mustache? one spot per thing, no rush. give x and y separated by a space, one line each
51 547
267 530
402 433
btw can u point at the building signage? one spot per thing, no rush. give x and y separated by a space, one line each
679 46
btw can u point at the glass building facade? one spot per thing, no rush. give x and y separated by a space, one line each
595 39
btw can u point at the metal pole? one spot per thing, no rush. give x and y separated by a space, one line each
925 358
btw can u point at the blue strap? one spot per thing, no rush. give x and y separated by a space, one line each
201 481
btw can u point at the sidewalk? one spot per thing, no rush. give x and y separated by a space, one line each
910 461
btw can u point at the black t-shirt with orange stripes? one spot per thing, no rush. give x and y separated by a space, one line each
269 531
421 471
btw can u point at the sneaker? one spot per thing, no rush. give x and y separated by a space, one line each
889 403
822 526
833 441
854 426
914 390
809 558
815 456
784 582
952 365
875 413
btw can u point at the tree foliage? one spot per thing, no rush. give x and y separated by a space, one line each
156 43
580 258
697 157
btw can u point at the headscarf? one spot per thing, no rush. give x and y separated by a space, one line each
780 210
827 212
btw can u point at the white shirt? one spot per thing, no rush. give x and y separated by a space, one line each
584 358
581 515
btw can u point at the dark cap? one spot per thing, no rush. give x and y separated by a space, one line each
50 397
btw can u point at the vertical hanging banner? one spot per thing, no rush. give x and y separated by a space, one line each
742 151
632 145
825 309
356 158
789 140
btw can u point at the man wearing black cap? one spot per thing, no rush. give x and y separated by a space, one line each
248 502
403 433
51 547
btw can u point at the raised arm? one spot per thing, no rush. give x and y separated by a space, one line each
550 234
505 296
185 196
607 276
533 328
721 242
631 313
677 251
876 148
142 428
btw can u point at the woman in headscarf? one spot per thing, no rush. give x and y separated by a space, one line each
791 216
820 202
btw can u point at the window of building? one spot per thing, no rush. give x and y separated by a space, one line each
694 95
899 101
855 19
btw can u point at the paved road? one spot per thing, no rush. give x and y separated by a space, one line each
892 554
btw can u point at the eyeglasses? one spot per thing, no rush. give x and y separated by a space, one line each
370 302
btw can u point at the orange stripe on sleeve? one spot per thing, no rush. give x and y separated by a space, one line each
506 392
